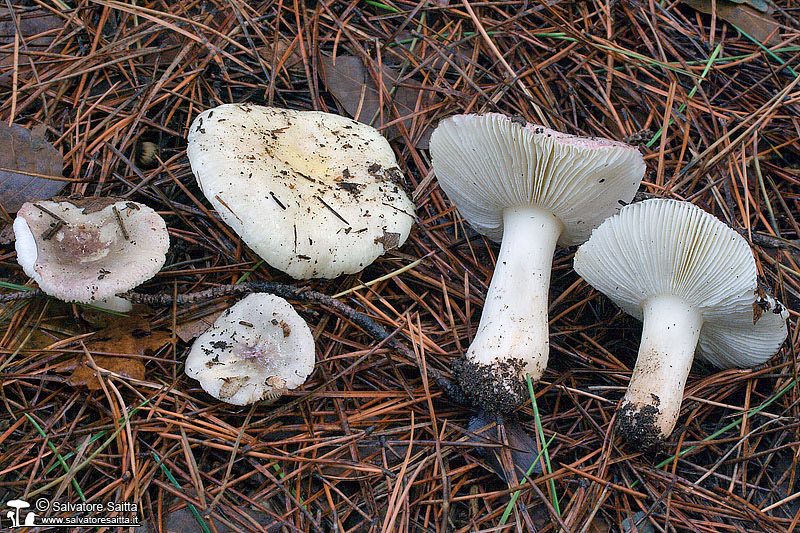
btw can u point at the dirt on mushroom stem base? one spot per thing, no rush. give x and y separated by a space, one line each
497 387
638 425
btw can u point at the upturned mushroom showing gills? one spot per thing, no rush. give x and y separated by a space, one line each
692 280
315 195
89 250
531 188
256 350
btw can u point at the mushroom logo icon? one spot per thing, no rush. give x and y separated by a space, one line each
14 515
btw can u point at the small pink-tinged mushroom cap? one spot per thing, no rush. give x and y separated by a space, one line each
89 250
256 350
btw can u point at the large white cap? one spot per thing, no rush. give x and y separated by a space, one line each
316 195
256 350
90 249
488 163
667 247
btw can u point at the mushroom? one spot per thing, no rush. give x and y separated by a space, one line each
532 188
89 250
256 350
315 195
692 280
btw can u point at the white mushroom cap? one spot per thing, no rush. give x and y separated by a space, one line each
256 350
488 163
692 281
88 250
662 246
316 195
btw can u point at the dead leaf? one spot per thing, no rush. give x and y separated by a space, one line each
26 151
351 84
6 233
132 337
282 50
599 525
33 24
522 447
85 376
167 46
760 26
194 328
638 523
184 520
762 5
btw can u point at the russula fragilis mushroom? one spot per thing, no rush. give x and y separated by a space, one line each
256 350
532 188
89 250
315 195
692 280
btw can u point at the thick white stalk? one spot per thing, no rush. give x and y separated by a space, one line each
114 303
512 339
653 401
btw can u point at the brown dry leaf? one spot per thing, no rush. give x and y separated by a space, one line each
33 24
26 151
168 45
133 337
6 233
762 5
522 447
599 526
194 328
760 26
85 376
275 52
351 84
183 520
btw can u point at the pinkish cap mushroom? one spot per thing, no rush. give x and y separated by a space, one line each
256 350
89 250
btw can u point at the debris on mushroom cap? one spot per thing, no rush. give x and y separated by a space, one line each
314 194
88 250
256 350
487 163
663 246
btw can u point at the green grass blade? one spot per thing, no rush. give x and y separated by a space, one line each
732 425
197 516
61 460
551 483
515 496
766 50
681 109
15 287
94 454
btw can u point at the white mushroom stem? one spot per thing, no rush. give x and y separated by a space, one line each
669 337
114 303
514 324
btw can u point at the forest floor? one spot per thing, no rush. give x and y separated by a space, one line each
371 442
